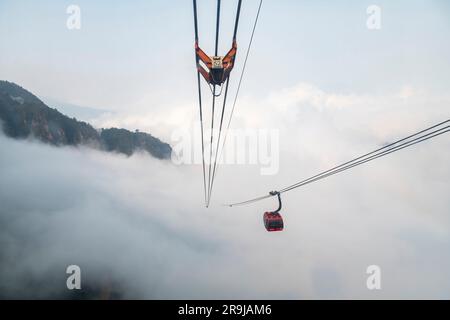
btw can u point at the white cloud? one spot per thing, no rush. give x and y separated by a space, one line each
141 221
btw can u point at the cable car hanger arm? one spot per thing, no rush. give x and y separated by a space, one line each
217 69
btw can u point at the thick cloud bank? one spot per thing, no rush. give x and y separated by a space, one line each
137 227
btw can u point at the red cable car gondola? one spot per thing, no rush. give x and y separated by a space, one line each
273 220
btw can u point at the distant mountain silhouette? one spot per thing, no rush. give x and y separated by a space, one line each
24 115
82 113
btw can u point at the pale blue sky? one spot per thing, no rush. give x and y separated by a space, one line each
129 49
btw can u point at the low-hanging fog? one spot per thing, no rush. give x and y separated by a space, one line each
138 224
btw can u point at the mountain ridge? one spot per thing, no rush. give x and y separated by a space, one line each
24 115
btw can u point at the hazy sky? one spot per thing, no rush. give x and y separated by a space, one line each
139 54
333 89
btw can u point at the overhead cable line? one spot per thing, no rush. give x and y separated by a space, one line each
236 25
371 153
420 136
219 148
213 105
200 101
